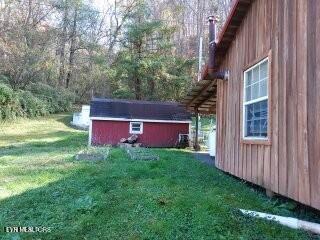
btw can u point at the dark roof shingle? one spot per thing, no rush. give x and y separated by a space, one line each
133 109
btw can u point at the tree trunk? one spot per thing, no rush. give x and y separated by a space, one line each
151 84
137 82
63 40
72 49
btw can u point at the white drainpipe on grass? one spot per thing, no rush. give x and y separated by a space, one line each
286 221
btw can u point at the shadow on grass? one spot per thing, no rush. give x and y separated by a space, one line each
66 206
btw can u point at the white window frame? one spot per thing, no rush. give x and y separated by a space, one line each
245 103
131 131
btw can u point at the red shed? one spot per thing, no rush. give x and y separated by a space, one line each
157 124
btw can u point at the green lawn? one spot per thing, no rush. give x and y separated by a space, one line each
174 198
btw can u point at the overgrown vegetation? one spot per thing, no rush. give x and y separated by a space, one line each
175 197
118 49
36 100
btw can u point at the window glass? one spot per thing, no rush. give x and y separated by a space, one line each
254 91
248 93
249 78
256 101
263 88
135 127
255 75
256 119
264 70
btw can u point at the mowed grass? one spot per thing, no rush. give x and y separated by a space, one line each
176 197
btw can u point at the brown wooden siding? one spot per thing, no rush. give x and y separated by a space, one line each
289 165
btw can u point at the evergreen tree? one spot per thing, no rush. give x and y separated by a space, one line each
147 64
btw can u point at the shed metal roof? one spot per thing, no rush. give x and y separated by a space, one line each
134 109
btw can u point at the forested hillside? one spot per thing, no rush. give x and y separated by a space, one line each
140 49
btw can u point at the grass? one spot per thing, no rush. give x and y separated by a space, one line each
176 197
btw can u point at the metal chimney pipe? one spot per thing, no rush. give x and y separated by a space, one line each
212 45
212 28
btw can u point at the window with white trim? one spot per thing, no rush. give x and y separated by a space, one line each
255 101
136 127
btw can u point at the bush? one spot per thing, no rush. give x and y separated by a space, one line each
6 94
4 79
57 100
38 100
10 107
31 105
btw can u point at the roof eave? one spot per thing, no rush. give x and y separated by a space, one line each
199 94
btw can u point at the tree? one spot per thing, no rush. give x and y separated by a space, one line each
73 39
143 49
145 64
62 42
25 42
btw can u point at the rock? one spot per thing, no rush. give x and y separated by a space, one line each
132 139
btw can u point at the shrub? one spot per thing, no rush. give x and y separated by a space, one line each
57 100
6 94
31 105
38 100
4 79
10 107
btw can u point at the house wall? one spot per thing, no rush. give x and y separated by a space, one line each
154 134
289 163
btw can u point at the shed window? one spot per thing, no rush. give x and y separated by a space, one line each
136 127
255 102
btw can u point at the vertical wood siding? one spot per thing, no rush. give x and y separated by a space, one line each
290 164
